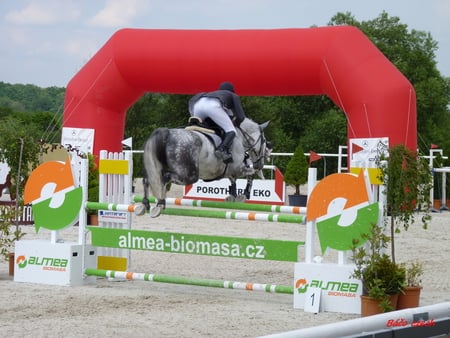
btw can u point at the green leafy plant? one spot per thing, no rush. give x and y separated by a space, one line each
380 276
8 233
408 182
297 170
20 151
414 272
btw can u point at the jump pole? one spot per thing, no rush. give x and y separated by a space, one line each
285 209
111 206
249 216
148 277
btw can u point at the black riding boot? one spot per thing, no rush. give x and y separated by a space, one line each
223 151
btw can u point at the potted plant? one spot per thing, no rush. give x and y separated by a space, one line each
93 189
410 296
297 174
382 279
408 181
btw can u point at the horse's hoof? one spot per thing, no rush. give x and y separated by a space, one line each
240 198
139 209
155 212
230 199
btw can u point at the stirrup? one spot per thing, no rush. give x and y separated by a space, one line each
224 156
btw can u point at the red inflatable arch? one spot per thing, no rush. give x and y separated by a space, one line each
340 62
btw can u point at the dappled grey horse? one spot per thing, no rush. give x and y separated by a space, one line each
184 156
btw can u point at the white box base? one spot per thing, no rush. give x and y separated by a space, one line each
40 261
339 292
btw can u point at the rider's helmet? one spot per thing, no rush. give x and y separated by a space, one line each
227 86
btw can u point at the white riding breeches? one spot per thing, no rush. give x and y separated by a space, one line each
210 107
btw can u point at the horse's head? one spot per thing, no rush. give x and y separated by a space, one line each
255 142
266 148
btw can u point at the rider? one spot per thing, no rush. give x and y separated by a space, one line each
224 107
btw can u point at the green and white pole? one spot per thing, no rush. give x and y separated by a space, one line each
285 209
248 216
114 207
158 278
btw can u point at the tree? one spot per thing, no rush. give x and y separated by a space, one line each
408 182
413 53
31 98
18 148
325 134
297 170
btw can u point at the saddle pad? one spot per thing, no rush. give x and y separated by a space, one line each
209 133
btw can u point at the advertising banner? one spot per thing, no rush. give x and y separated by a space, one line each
339 292
263 191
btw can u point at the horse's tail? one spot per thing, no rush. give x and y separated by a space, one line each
160 137
155 160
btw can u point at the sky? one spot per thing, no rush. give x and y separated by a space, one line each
46 42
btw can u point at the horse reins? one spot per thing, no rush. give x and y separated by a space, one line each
251 147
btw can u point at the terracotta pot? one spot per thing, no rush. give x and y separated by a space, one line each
370 306
410 298
93 219
437 204
11 263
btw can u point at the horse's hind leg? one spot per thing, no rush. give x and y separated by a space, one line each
161 203
158 185
140 209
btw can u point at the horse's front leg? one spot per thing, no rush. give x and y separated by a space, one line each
247 191
248 187
232 191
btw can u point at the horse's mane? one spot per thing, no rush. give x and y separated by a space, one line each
248 125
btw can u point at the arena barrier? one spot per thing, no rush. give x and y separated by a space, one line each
159 278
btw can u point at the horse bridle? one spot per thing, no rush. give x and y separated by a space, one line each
259 163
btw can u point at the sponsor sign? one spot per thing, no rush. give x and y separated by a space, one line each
79 138
340 207
42 262
339 292
233 247
263 191
113 216
55 200
365 152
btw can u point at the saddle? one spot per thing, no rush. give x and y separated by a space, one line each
213 132
208 128
196 123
